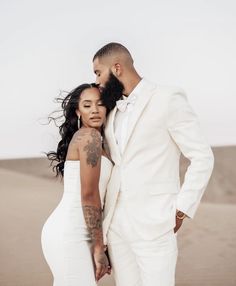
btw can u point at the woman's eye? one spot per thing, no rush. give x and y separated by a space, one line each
86 105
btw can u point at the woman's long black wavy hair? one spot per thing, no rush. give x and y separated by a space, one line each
67 129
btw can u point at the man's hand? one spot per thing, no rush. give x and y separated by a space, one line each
101 264
178 223
178 220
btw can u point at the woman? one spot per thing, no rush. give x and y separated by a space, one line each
72 240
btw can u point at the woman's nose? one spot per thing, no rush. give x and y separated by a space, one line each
95 109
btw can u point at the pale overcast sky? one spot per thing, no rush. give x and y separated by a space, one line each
47 46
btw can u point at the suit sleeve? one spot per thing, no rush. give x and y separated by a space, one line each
184 129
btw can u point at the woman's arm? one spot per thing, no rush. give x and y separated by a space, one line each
90 151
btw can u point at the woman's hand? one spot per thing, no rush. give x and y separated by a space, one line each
101 264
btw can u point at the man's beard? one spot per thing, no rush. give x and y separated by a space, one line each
112 92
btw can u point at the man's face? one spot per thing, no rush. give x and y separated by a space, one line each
102 72
110 87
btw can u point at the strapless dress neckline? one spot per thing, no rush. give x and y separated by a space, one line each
78 161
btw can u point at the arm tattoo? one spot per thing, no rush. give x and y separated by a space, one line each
93 219
93 149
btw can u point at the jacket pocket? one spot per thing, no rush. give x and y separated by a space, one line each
164 187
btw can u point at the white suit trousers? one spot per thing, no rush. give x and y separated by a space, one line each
137 262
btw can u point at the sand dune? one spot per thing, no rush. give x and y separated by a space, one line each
26 201
221 188
207 244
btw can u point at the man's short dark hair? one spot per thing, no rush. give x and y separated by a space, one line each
110 49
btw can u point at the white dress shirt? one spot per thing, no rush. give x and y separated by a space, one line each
121 122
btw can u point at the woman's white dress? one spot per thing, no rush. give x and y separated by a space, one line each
65 239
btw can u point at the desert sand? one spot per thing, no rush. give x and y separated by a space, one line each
29 193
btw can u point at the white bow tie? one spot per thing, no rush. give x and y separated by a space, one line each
123 103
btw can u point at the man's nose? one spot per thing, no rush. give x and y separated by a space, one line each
97 81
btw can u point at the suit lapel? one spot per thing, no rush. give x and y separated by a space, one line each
110 135
142 101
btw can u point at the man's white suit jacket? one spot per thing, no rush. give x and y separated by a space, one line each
162 125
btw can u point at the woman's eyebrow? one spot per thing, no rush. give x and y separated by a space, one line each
86 100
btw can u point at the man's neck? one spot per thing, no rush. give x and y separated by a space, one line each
131 83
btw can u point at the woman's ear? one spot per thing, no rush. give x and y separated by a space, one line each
116 69
78 112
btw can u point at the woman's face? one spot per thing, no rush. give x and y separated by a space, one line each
91 110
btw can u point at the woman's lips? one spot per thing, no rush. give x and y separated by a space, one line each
95 118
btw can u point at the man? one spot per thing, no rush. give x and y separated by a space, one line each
146 132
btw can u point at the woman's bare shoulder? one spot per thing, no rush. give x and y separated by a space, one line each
83 135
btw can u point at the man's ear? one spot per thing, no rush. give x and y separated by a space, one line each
116 70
